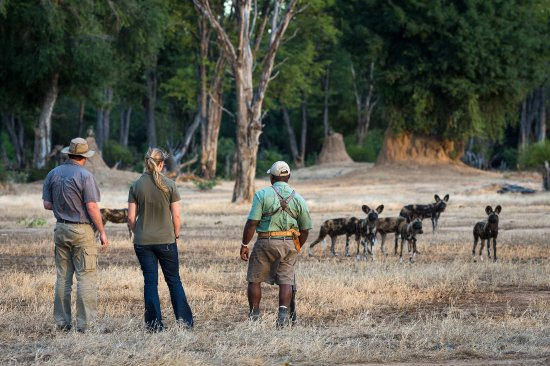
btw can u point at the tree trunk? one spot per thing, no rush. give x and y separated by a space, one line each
291 138
150 103
210 153
303 137
16 131
249 100
81 116
124 131
43 133
326 88
546 176
107 114
541 121
99 130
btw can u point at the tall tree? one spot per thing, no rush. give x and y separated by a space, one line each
252 23
51 47
456 69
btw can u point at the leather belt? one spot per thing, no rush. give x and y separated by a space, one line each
72 222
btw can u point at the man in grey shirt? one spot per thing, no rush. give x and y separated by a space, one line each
72 193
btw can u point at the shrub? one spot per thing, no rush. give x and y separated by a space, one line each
32 222
206 185
226 151
36 174
113 152
533 156
369 150
3 174
266 158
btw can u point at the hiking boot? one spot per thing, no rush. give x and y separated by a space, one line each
283 318
254 315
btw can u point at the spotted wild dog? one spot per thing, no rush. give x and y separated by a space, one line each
388 225
487 230
334 228
116 216
407 233
367 229
432 210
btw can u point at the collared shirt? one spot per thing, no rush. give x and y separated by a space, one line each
69 187
153 214
267 201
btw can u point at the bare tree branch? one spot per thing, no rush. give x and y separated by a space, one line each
203 7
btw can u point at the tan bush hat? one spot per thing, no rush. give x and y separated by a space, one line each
78 146
279 169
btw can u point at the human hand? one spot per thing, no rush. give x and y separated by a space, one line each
104 241
244 253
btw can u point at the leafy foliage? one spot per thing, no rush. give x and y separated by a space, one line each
114 153
457 69
368 152
533 156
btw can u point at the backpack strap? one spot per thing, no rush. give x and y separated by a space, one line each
283 204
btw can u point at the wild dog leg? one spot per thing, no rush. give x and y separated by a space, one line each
481 244
476 238
494 248
333 245
347 246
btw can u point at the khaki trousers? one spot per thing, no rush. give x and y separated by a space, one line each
75 253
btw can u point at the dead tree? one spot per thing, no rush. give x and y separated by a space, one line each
249 94
546 176
365 101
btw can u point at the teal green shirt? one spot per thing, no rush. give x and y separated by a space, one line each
266 200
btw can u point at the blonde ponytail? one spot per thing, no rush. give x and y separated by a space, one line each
154 157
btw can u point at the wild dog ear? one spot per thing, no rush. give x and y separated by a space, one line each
366 209
446 198
488 210
437 199
498 209
380 208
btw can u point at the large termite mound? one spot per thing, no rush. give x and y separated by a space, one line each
411 148
334 150
96 162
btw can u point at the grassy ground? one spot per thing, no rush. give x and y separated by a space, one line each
444 309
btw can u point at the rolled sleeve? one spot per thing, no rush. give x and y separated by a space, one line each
256 209
47 188
304 219
132 195
174 194
91 190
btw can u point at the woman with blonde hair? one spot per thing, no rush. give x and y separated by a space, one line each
154 218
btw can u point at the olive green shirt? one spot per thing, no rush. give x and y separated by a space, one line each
266 201
153 215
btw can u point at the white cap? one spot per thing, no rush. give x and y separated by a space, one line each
279 169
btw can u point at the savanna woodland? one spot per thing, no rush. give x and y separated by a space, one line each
370 101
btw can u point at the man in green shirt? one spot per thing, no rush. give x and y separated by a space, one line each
278 215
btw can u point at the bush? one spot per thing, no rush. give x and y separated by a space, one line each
3 174
206 185
32 222
226 151
533 156
369 150
36 174
114 153
266 158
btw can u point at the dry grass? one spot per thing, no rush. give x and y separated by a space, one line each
443 309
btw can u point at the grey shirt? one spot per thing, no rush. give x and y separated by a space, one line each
69 187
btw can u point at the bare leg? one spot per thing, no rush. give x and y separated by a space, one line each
255 295
285 295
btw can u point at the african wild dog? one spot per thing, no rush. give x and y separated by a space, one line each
386 226
367 229
116 216
334 228
487 230
432 210
408 232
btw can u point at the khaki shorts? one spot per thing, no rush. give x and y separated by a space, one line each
272 261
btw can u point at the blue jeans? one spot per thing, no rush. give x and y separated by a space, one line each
149 257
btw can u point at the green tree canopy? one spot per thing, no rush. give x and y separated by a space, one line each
457 69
